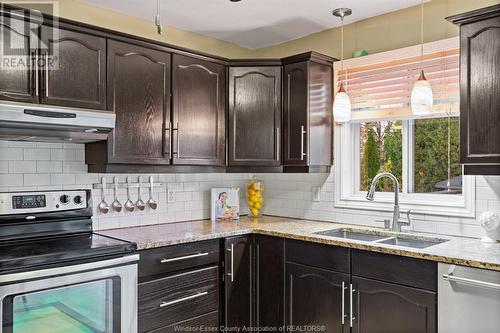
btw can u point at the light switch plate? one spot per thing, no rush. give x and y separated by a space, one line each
170 196
316 193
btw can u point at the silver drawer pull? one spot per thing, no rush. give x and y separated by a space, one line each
187 298
196 255
452 278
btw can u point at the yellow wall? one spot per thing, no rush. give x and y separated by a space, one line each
83 12
381 33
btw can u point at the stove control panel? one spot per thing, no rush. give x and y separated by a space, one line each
29 201
40 202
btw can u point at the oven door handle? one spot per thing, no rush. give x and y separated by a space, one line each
71 269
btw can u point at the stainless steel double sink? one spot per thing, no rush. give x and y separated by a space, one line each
381 237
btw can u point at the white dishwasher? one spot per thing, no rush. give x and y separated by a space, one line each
468 300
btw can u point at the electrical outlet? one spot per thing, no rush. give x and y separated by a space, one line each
316 193
170 196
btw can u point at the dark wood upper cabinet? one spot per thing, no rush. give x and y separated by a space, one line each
138 90
269 282
18 80
307 113
316 297
239 281
480 90
198 112
380 307
77 75
254 116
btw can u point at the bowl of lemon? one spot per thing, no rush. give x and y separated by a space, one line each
255 198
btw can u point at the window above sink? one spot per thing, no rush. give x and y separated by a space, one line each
384 135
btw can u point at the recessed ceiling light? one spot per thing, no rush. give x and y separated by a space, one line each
235 0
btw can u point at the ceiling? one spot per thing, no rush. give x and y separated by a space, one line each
253 23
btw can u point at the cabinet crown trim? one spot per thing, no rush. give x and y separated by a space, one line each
475 15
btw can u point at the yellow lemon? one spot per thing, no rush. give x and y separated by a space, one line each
254 211
253 198
251 192
257 205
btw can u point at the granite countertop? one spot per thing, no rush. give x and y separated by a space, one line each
457 250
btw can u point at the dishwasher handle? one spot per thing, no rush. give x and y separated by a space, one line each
471 282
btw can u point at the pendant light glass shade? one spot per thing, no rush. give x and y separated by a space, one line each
342 107
342 102
421 96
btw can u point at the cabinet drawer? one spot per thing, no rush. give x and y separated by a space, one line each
205 323
178 297
412 272
318 255
173 258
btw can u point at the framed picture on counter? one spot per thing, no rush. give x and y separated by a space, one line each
225 203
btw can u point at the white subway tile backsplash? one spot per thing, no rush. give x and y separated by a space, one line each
4 166
36 154
22 166
36 179
51 166
11 154
62 179
11 180
74 167
63 154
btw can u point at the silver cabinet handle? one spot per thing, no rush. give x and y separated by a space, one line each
37 87
343 302
176 129
47 74
187 298
231 274
278 142
351 316
452 278
302 153
169 131
196 255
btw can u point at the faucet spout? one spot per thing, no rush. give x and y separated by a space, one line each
370 195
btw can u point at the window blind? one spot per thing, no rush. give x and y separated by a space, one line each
380 85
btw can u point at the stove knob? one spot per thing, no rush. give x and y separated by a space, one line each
78 200
64 199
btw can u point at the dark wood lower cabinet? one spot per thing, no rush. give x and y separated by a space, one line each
239 282
316 297
380 307
269 282
205 323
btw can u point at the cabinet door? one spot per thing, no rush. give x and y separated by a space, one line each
316 297
380 307
18 77
77 75
269 282
254 116
138 89
480 92
320 114
295 114
239 282
198 111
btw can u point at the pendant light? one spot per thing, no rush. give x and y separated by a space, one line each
342 102
158 25
421 94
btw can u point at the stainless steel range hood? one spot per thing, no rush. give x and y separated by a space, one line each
43 123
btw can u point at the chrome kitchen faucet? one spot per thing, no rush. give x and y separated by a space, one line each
396 221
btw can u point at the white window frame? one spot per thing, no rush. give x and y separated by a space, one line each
347 180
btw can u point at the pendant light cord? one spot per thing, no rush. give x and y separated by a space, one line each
422 34
342 50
